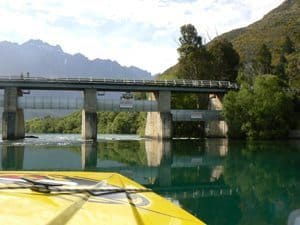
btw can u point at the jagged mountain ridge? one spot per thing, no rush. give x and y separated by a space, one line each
42 59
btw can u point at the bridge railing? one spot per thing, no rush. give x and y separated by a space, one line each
176 82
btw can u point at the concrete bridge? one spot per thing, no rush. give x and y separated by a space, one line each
159 117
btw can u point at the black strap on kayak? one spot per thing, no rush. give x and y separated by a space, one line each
92 191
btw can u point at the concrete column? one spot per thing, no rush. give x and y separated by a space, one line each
159 124
13 116
216 129
89 115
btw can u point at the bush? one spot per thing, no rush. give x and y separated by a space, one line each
260 112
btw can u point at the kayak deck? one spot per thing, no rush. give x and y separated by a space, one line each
83 198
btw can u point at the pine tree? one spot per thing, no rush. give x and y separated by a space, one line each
194 59
281 67
225 60
288 46
264 60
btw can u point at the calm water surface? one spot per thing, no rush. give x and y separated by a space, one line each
220 182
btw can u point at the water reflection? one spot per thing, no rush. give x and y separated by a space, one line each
221 182
89 155
159 155
12 157
267 175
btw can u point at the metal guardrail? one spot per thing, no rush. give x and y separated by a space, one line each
91 80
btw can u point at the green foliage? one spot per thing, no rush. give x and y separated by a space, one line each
194 60
48 124
225 60
264 60
108 122
124 123
189 38
261 112
170 74
288 46
272 29
280 69
293 70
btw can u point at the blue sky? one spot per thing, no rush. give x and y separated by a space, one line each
142 33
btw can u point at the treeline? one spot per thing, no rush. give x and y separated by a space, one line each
264 107
267 104
108 122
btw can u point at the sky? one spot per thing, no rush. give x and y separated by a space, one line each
142 33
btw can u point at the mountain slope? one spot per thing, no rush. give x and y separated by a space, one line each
271 30
41 59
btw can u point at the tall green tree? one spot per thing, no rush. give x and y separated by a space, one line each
280 69
194 59
293 70
225 60
264 60
263 111
288 46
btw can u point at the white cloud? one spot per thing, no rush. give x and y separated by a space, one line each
143 33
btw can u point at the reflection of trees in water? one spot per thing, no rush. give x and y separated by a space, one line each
268 177
128 152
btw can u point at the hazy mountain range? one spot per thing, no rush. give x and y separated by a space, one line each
42 59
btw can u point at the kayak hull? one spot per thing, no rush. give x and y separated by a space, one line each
111 206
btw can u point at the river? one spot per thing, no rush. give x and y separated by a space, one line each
219 181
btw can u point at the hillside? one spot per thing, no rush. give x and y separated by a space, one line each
40 59
271 30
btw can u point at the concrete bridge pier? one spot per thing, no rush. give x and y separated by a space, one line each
159 124
89 115
12 117
216 129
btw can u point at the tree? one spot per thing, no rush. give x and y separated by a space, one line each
293 70
281 67
194 60
225 60
261 112
288 46
264 60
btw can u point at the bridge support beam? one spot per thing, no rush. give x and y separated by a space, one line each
216 129
89 115
12 117
159 124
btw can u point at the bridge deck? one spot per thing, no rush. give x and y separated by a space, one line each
42 83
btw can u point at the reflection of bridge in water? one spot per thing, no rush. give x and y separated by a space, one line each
162 171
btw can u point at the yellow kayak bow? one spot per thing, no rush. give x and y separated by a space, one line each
55 198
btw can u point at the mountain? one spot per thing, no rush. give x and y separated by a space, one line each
271 29
42 59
